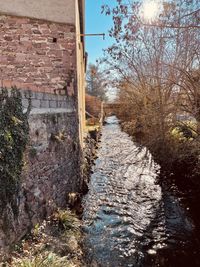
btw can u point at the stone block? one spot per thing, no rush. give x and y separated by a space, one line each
44 104
53 104
47 96
53 97
35 103
39 95
61 98
63 104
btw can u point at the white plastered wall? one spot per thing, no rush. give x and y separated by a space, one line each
62 11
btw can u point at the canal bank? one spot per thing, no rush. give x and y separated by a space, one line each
130 218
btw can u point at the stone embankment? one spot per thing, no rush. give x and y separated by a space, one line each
51 164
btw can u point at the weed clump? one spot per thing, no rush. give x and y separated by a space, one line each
54 243
67 220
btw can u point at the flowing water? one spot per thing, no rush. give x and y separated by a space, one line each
129 218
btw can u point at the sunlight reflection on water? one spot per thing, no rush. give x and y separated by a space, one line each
127 214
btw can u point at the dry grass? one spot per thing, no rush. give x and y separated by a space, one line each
54 243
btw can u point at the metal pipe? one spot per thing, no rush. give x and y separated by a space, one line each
93 34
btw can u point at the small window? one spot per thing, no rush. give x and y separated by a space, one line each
54 40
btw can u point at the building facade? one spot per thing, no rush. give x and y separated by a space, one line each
42 52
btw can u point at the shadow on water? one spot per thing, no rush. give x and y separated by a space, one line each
131 220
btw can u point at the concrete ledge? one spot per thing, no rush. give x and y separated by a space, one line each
51 110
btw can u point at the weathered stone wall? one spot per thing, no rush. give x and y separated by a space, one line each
37 55
40 57
52 170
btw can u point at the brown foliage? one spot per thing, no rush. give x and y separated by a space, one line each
93 106
156 66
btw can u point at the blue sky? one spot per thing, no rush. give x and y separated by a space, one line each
97 23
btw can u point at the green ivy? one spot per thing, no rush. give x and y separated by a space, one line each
14 135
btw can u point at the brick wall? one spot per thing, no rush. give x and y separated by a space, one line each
40 57
37 55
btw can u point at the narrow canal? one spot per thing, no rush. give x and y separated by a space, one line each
131 220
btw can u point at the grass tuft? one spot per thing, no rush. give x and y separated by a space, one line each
43 260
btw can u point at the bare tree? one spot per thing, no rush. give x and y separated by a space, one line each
96 82
157 66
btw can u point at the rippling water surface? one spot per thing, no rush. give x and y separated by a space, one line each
129 220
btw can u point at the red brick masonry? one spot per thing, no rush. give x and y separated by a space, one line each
40 56
37 55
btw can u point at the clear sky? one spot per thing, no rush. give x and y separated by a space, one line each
97 23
